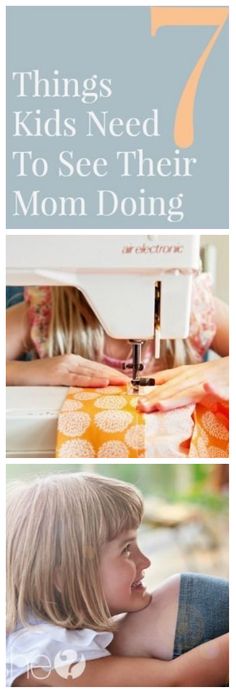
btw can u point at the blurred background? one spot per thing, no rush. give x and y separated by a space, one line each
185 525
215 259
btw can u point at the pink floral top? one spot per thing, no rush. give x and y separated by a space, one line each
202 321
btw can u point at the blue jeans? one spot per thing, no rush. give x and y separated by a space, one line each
203 611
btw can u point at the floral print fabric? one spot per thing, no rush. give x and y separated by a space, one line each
104 423
100 423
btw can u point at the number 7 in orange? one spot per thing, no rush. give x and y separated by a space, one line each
189 16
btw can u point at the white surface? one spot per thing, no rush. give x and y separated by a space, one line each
31 420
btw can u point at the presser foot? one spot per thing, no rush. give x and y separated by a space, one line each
137 382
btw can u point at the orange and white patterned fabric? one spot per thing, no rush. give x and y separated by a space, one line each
100 423
211 431
104 423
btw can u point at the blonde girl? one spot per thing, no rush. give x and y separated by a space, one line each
73 565
70 347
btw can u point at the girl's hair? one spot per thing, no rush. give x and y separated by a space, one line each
56 528
75 329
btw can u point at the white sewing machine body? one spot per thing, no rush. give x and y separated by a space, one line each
118 275
32 414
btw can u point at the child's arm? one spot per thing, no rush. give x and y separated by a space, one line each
63 370
206 665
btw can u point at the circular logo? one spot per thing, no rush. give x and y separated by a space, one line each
68 665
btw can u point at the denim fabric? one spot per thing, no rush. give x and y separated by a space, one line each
203 611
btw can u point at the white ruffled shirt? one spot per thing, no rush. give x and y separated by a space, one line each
50 647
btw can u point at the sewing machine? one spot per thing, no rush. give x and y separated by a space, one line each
138 286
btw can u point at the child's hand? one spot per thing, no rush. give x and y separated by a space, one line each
187 384
64 370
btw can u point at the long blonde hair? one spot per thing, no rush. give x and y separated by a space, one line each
75 329
56 528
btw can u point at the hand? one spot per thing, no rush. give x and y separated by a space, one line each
185 385
64 370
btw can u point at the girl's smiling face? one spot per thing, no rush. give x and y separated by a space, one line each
122 567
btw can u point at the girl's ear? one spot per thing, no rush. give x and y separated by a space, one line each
57 579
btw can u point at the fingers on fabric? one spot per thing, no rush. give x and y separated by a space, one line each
180 399
83 381
94 372
93 380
